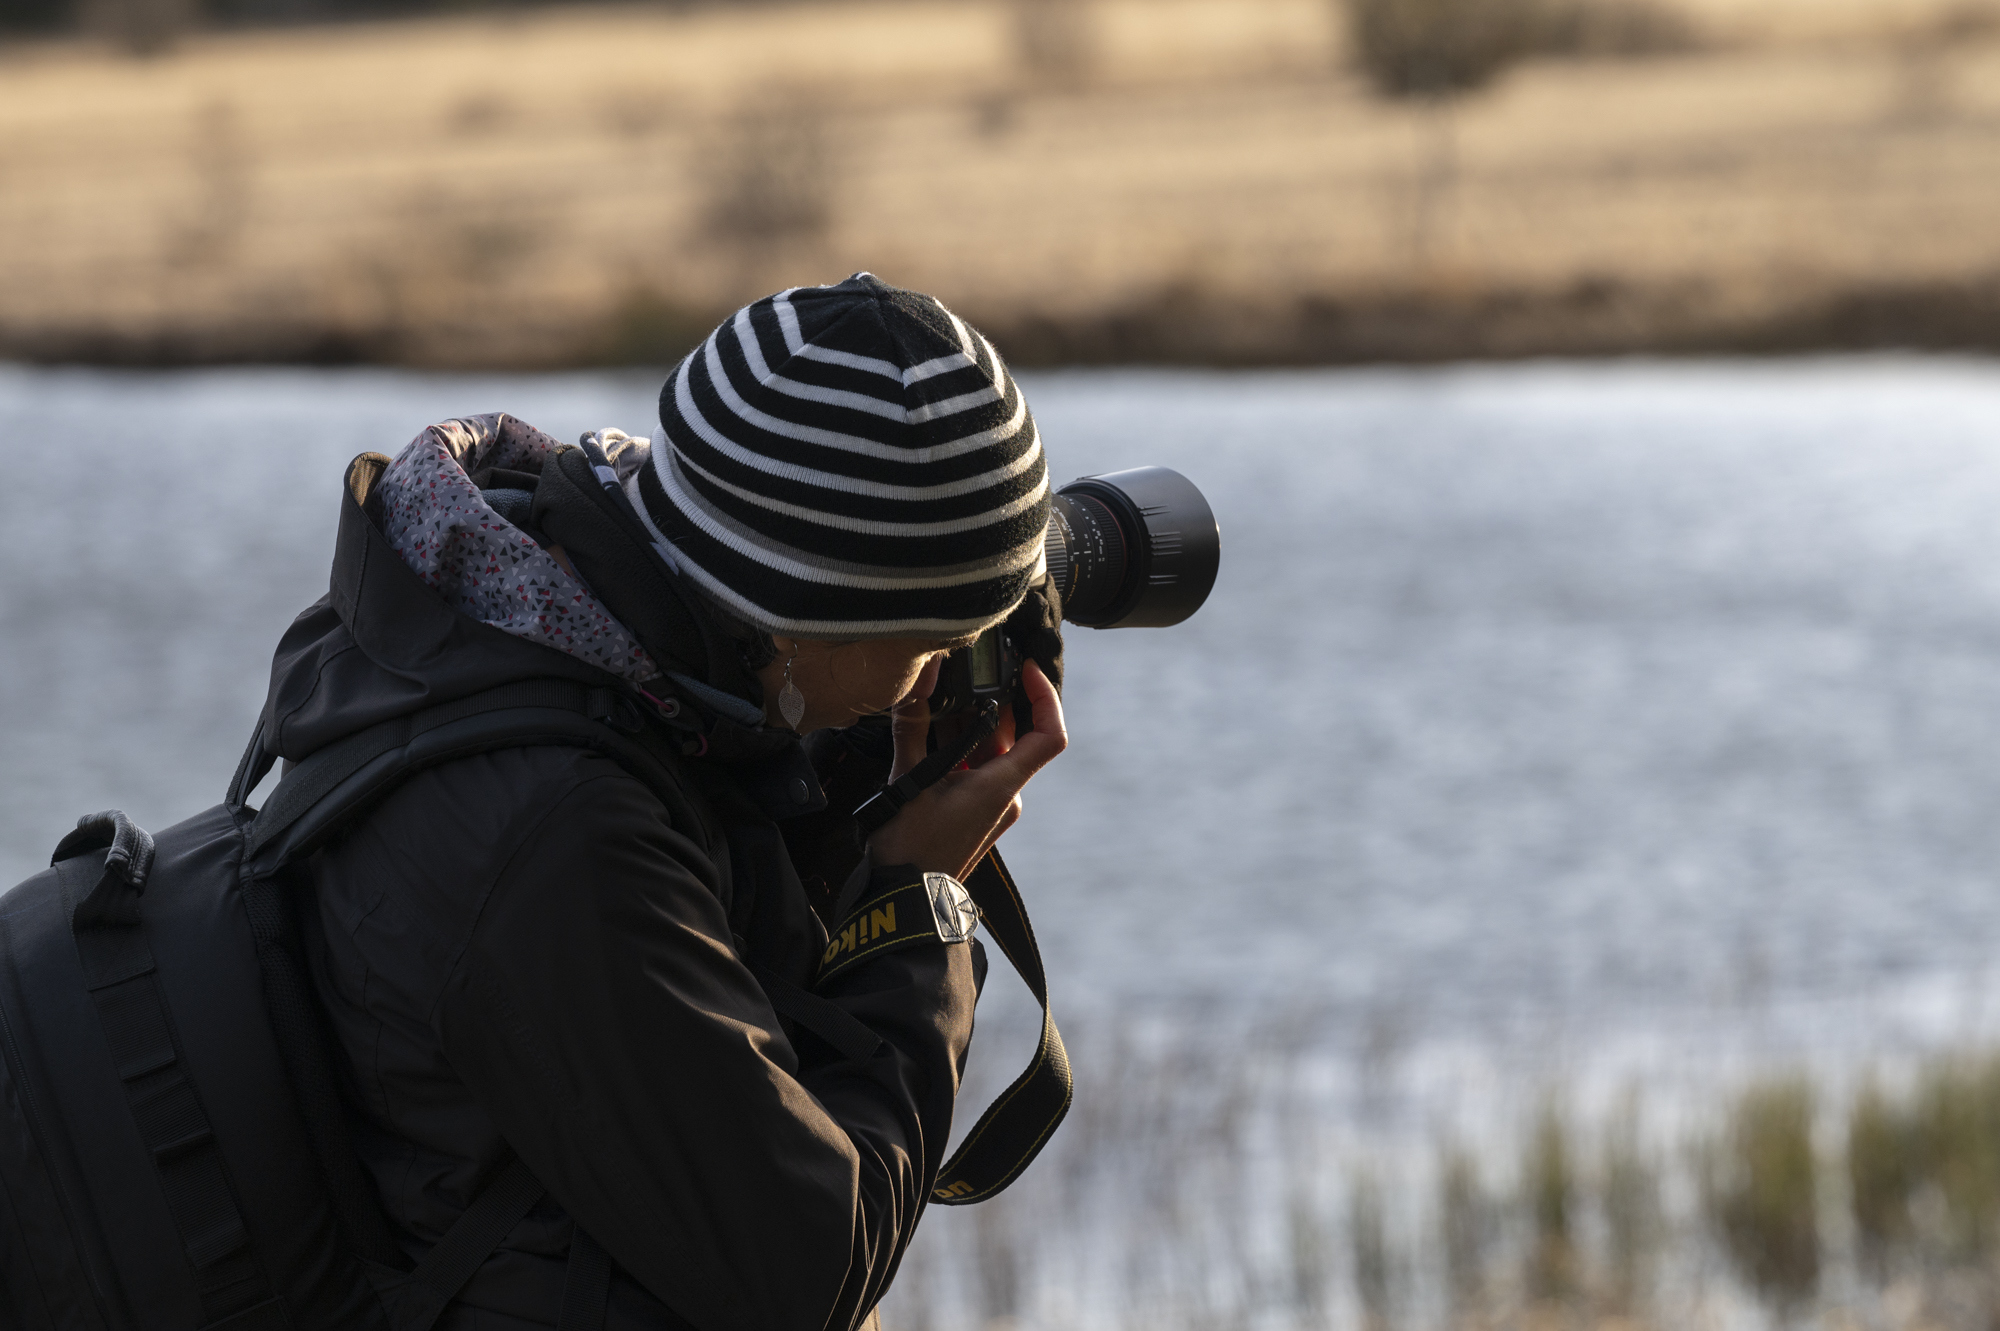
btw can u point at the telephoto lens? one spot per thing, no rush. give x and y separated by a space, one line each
1132 549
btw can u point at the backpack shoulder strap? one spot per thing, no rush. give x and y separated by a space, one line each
320 794
454 1258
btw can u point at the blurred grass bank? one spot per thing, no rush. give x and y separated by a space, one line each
1787 1200
1206 181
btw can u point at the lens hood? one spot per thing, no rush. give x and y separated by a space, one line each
1169 549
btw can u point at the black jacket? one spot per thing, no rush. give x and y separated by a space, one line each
532 951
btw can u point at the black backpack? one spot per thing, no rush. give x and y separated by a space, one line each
173 1144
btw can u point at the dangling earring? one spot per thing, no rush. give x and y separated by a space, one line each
791 703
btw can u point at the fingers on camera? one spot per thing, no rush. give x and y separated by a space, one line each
1047 707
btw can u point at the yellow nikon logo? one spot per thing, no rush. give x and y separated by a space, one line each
958 1189
881 920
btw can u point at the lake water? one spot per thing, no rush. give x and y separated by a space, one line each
1610 716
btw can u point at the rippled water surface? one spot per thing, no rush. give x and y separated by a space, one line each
1571 703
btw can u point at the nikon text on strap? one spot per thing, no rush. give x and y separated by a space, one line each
935 908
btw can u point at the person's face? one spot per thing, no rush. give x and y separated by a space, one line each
842 681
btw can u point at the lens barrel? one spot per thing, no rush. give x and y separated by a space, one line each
1132 549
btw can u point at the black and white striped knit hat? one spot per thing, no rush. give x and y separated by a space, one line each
848 461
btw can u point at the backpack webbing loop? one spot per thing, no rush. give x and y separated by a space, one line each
120 974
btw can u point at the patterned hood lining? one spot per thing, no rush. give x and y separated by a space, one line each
483 565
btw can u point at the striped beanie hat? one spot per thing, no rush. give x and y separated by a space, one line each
848 461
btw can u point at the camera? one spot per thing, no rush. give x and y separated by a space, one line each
1128 549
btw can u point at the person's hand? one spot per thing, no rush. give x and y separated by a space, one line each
949 827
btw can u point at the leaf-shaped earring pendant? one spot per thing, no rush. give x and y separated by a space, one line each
791 703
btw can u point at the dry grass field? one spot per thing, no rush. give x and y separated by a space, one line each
1207 180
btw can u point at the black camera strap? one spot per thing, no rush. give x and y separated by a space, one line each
887 802
1015 1126
1020 1122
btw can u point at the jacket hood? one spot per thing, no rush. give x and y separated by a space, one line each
456 601
436 505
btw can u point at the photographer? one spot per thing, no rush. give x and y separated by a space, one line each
531 953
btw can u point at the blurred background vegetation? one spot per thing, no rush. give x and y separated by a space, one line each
447 183
1781 1200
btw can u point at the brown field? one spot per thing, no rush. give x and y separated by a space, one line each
1187 180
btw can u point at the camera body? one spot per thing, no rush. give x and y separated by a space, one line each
989 669
1128 549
